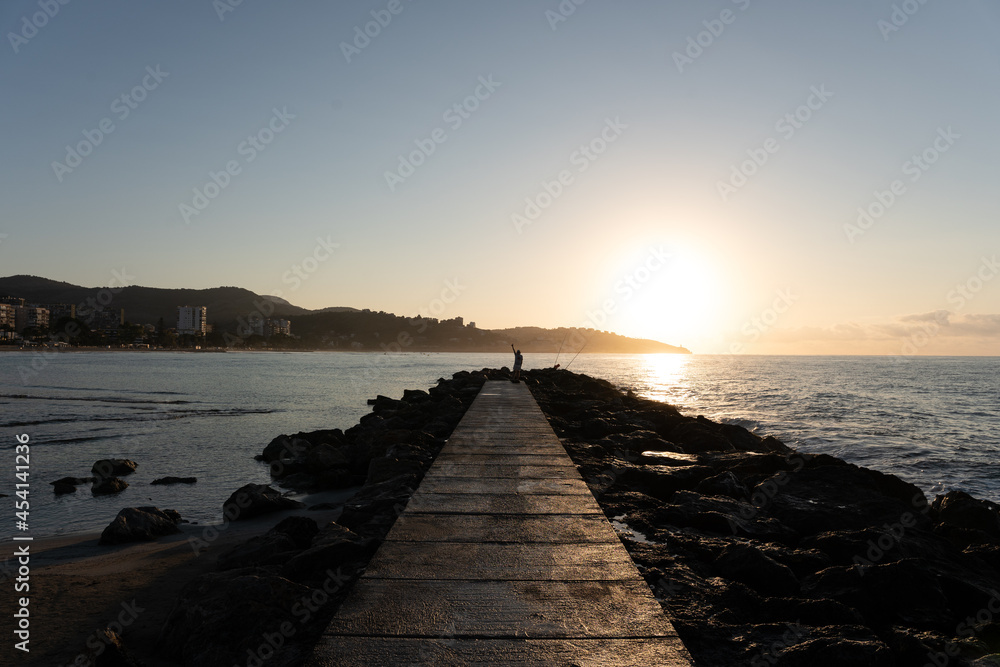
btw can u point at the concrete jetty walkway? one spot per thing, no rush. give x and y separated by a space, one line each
501 557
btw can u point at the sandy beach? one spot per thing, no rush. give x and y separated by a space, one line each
79 586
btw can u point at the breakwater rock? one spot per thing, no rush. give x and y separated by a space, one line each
274 594
762 555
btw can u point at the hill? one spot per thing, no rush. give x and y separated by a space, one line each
146 305
329 328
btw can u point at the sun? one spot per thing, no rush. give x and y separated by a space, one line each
680 302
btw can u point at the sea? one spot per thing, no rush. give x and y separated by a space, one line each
933 421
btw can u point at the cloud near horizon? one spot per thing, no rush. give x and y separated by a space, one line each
938 332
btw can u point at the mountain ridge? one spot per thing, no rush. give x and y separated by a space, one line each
336 327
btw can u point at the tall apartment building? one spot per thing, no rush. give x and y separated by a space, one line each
277 328
6 317
31 317
192 320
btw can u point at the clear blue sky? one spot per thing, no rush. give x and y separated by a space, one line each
757 263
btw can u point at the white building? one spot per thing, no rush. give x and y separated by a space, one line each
192 320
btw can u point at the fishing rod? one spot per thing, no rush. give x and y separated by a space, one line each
560 349
577 354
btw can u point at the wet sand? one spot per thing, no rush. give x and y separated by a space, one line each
79 586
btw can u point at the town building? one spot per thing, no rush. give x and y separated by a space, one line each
58 311
277 328
192 320
6 317
31 317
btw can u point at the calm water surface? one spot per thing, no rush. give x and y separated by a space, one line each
933 421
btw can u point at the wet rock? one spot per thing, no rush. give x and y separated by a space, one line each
140 524
960 510
334 546
255 499
836 652
114 467
749 565
107 486
174 480
275 547
384 468
69 484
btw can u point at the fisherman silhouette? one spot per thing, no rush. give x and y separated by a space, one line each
518 359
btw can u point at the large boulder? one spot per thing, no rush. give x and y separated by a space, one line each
959 509
114 467
253 500
69 484
140 524
275 547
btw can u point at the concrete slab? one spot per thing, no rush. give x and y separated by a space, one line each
502 556
450 651
510 609
500 503
501 471
492 561
573 529
506 486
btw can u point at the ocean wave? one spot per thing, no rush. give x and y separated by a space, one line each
94 399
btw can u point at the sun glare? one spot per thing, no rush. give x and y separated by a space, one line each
680 303
666 376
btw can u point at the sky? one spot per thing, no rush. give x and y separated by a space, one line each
734 176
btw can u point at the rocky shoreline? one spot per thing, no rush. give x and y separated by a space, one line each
759 554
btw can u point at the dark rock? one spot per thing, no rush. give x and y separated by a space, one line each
749 565
959 509
140 524
333 546
175 480
114 467
219 617
106 648
384 468
835 652
107 486
69 484
255 499
324 457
